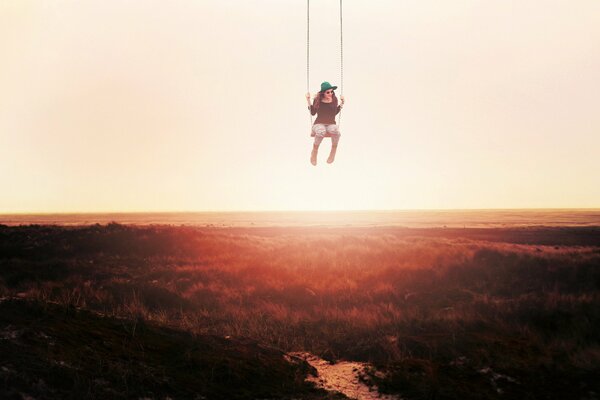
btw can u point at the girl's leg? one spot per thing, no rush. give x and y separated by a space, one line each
320 131
315 149
335 138
334 143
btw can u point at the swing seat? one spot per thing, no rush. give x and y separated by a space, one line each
312 134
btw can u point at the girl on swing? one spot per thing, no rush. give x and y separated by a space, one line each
325 105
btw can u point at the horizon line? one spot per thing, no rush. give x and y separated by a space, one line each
299 211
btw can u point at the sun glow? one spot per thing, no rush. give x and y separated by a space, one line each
112 106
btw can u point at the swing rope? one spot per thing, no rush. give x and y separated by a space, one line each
308 57
341 63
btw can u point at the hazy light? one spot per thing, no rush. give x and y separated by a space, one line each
199 105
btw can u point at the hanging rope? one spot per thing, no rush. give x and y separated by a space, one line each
308 57
341 62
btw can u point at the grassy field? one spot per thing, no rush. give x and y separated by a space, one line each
443 313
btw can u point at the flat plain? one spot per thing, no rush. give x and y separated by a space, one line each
159 311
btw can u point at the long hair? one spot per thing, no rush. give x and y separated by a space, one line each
317 100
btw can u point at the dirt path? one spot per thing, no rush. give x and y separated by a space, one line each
346 377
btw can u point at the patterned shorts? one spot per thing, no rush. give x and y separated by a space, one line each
325 130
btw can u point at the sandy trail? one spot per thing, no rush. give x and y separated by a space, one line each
346 377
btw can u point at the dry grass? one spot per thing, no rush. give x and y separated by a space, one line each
410 301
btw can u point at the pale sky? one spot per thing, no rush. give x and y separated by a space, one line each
197 105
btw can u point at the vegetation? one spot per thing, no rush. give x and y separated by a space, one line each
444 313
52 351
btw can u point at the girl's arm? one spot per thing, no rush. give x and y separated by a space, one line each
310 108
339 108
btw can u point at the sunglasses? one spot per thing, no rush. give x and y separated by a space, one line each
329 92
